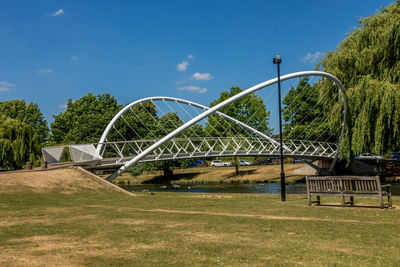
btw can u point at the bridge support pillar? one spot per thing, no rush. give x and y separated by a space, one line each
319 167
323 167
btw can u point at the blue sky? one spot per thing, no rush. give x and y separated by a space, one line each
54 50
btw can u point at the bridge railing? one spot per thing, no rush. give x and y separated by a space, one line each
197 147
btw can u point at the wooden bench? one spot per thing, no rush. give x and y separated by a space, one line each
347 186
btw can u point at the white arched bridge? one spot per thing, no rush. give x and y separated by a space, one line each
169 128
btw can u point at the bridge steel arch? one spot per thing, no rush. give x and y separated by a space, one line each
178 100
215 109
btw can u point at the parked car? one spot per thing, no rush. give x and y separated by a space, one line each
245 162
198 163
264 161
276 160
369 156
296 160
396 155
220 163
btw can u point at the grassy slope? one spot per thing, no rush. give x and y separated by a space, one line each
103 227
247 174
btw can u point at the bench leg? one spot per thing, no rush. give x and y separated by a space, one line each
380 201
318 200
309 199
352 201
390 199
343 200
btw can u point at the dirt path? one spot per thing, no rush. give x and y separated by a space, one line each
266 217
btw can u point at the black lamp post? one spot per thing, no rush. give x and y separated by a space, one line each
277 60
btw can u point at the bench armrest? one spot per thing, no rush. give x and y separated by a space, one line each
387 187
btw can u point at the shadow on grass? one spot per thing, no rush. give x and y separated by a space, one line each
355 206
241 173
160 179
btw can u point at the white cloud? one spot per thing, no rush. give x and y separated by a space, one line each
312 58
182 81
62 105
182 66
202 76
6 84
73 58
42 71
192 88
58 12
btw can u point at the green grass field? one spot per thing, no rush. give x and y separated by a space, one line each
102 227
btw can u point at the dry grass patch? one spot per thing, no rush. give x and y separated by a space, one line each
265 217
128 221
204 237
175 225
64 181
210 196
37 250
332 246
57 250
6 222
44 220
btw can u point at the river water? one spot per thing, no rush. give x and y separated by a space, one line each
267 188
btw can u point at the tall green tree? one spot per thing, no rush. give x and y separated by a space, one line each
19 143
27 113
166 124
368 64
84 120
138 123
249 109
303 113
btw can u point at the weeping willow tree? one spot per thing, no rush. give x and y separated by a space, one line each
368 64
18 144
29 113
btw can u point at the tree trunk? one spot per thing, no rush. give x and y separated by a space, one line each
168 173
237 166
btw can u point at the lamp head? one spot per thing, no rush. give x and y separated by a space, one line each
277 59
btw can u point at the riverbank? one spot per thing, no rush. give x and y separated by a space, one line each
218 175
65 219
